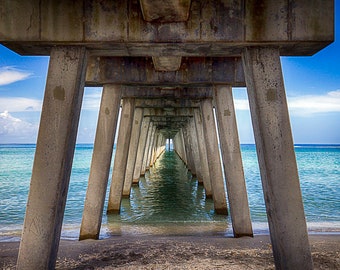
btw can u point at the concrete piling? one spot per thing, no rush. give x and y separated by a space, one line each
232 161
275 150
141 149
213 156
135 133
53 158
120 160
101 161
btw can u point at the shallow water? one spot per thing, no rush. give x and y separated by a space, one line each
168 200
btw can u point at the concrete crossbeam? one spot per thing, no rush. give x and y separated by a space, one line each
219 28
194 71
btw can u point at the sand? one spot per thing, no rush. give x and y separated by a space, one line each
177 252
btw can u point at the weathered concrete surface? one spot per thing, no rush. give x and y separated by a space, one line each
121 156
232 161
275 150
167 63
213 156
141 149
203 153
53 158
141 71
101 161
147 146
216 27
131 161
165 10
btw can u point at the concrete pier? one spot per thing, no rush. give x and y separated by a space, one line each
275 150
53 158
166 57
120 161
141 150
232 161
203 153
131 161
213 156
147 147
194 149
101 161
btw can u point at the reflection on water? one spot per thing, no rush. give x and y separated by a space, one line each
168 201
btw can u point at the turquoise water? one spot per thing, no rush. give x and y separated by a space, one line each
168 200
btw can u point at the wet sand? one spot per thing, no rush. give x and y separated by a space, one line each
177 252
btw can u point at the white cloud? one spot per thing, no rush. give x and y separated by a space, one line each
10 75
16 130
312 104
91 101
306 104
20 104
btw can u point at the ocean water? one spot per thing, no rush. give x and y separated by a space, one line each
168 200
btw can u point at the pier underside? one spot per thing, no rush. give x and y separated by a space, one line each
170 66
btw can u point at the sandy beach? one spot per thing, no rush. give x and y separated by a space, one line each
177 252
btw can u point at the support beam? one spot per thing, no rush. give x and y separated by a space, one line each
194 149
53 158
147 147
275 150
141 150
121 156
188 149
101 161
203 153
232 161
150 150
135 132
213 156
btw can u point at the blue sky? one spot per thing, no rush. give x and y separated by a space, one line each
312 86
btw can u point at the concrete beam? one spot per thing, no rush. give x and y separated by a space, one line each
213 156
150 92
131 161
101 161
167 104
53 159
218 28
275 150
194 71
121 156
141 149
232 161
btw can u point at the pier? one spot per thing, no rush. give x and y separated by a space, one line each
170 66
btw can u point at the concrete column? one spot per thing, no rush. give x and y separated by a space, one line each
147 146
232 161
53 158
153 149
203 153
150 150
121 156
141 149
213 156
194 149
188 148
135 132
101 161
275 150
183 147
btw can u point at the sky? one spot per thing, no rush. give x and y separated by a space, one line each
312 88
